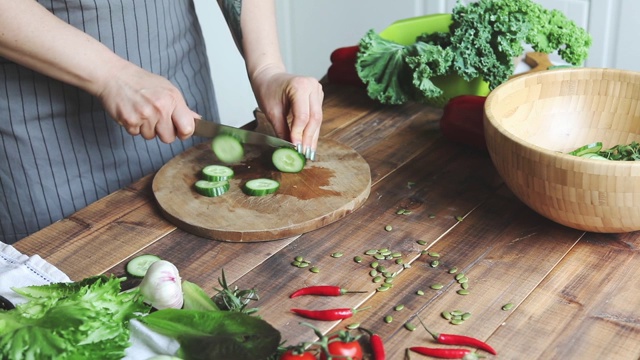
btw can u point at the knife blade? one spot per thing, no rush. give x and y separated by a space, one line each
210 129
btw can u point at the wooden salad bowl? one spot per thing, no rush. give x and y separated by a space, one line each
531 123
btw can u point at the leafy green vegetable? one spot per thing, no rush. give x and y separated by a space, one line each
216 334
620 152
483 39
83 320
196 299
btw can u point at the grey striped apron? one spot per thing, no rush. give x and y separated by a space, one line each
59 150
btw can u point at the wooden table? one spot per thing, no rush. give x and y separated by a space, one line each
576 294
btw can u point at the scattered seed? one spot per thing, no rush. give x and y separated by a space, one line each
459 276
388 280
314 270
383 250
456 321
437 286
357 259
396 254
296 263
353 326
420 292
374 264
400 211
303 265
388 228
407 212
388 319
421 242
447 315
409 326
434 254
371 252
464 285
432 216
463 280
453 270
382 288
406 265
381 268
463 292
379 256
435 263
466 316
459 218
298 258
507 306
373 273
377 279
337 254
398 307
399 261
457 313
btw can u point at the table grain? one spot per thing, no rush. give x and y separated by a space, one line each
576 295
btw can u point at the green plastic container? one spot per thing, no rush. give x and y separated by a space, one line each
406 31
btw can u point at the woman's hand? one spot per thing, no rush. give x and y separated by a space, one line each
293 105
147 104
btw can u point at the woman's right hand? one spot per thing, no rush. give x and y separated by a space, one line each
147 104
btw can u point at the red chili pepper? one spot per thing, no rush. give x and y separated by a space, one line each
441 353
377 346
323 290
462 120
450 339
329 314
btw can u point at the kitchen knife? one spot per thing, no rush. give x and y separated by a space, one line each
210 129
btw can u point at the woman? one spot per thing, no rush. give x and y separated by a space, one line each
96 94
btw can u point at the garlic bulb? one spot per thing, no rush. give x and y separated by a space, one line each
161 286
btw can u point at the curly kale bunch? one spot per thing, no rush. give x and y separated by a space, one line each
483 39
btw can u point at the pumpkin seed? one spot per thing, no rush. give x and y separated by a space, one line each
298 258
432 216
314 270
374 264
406 265
507 306
388 319
377 279
453 270
357 259
381 268
466 316
373 273
385 252
447 315
459 218
353 326
409 326
337 254
456 321
399 261
303 265
371 252
434 254
463 280
463 292
398 307
296 263
420 292
457 313
464 285
435 263
396 254
388 280
437 286
379 256
400 211
459 276
388 228
407 212
382 288
421 242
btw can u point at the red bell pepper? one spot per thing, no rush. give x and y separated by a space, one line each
462 121
343 67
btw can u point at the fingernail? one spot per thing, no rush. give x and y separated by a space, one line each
307 152
299 148
312 155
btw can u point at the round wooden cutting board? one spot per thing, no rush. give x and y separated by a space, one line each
334 185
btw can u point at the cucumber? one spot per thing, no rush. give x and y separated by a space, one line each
139 265
260 187
227 148
587 149
212 188
217 172
288 160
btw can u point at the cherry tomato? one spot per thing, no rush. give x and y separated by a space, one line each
338 347
291 355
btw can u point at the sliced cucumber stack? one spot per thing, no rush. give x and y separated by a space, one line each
227 148
260 187
217 172
139 265
212 188
288 160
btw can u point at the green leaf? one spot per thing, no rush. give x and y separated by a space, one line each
195 298
216 334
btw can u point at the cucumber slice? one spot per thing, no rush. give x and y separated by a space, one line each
227 148
288 160
217 172
587 149
212 188
260 187
139 265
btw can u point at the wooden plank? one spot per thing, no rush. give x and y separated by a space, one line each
579 311
364 229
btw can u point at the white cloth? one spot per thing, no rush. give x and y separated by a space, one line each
19 270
